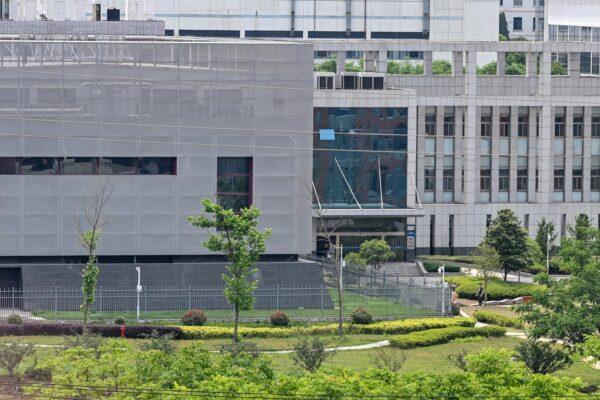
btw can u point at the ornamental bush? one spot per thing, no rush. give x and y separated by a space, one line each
120 320
488 317
361 316
279 318
466 287
70 329
14 319
443 335
433 266
194 318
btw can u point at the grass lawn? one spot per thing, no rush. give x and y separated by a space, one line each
384 308
502 310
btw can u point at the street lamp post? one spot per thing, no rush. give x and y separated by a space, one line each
548 240
138 290
442 270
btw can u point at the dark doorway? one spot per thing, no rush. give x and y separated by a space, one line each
11 288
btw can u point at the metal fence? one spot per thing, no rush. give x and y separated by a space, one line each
169 303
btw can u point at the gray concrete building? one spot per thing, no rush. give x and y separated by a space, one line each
166 123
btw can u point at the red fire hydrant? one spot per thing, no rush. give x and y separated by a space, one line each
123 331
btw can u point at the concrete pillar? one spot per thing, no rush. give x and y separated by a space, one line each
439 154
495 152
341 62
587 161
501 63
531 60
382 61
458 154
514 149
532 162
411 158
545 159
574 64
569 154
471 162
427 63
457 63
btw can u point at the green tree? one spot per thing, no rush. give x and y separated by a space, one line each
488 262
591 347
545 229
509 239
329 65
376 252
441 67
556 68
569 309
503 26
89 230
236 235
488 69
404 68
581 230
355 259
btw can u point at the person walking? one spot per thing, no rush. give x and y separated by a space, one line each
480 294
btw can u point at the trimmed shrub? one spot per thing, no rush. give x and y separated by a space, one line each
69 329
120 320
411 325
279 318
432 266
361 316
488 317
443 335
466 287
194 318
14 319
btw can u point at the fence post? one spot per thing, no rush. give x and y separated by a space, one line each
189 297
322 300
13 299
100 300
55 299
383 278
397 280
277 297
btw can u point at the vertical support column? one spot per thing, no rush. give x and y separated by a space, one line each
348 18
292 18
495 152
340 62
531 60
411 156
458 154
439 154
545 160
382 59
420 137
514 149
568 196
427 63
587 161
501 63
532 150
574 64
471 165
457 63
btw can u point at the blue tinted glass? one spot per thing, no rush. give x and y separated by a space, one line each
372 169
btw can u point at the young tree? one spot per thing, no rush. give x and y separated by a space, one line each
509 239
234 234
569 309
89 229
488 262
581 230
545 230
376 252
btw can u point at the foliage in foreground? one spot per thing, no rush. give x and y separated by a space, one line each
309 353
542 357
122 373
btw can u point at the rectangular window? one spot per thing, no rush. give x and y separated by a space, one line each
595 180
596 126
518 3
517 24
448 180
485 180
488 220
486 126
430 125
559 179
432 234
577 180
523 127
234 182
504 180
39 166
578 126
156 166
505 125
8 165
118 166
559 126
79 166
522 180
430 180
534 26
526 222
449 125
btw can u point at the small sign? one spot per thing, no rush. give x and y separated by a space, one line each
410 242
327 134
411 228
139 288
411 234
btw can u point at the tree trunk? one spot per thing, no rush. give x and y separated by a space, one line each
235 324
485 282
505 273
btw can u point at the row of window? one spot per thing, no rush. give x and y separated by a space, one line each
538 24
88 166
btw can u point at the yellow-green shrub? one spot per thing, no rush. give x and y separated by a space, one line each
443 335
411 325
497 319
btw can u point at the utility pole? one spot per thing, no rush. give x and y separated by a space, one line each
548 239
339 265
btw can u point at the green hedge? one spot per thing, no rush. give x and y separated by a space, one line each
457 259
432 266
443 335
466 287
376 328
488 317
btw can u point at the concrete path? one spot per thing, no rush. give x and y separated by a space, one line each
6 312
